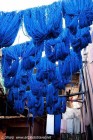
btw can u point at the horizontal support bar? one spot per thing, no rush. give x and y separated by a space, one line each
72 94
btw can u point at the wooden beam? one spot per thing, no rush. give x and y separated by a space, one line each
72 94
12 117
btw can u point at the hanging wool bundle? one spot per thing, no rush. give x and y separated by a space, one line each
10 96
31 57
21 91
86 18
30 99
14 92
70 13
38 108
70 7
72 64
35 104
60 105
53 21
45 70
51 98
11 71
57 124
8 32
33 24
63 50
9 62
24 77
65 78
18 76
81 40
63 106
86 13
9 82
81 10
19 106
57 107
73 25
58 82
37 87
50 50
40 26
58 49
20 98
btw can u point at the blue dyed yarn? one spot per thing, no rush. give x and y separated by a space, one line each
22 75
57 124
57 107
50 50
10 96
51 98
65 78
15 93
22 90
9 82
63 106
54 21
18 76
40 108
36 86
9 31
30 99
78 10
12 67
86 18
32 27
24 79
31 57
4 62
44 90
9 62
71 22
70 7
58 81
84 4
73 25
70 13
71 64
26 96
35 104
86 13
19 106
45 70
11 71
60 105
39 26
58 49
81 40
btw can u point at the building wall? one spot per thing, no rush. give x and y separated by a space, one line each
21 127
87 108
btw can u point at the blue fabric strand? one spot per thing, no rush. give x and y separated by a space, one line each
9 31
41 23
57 124
45 70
